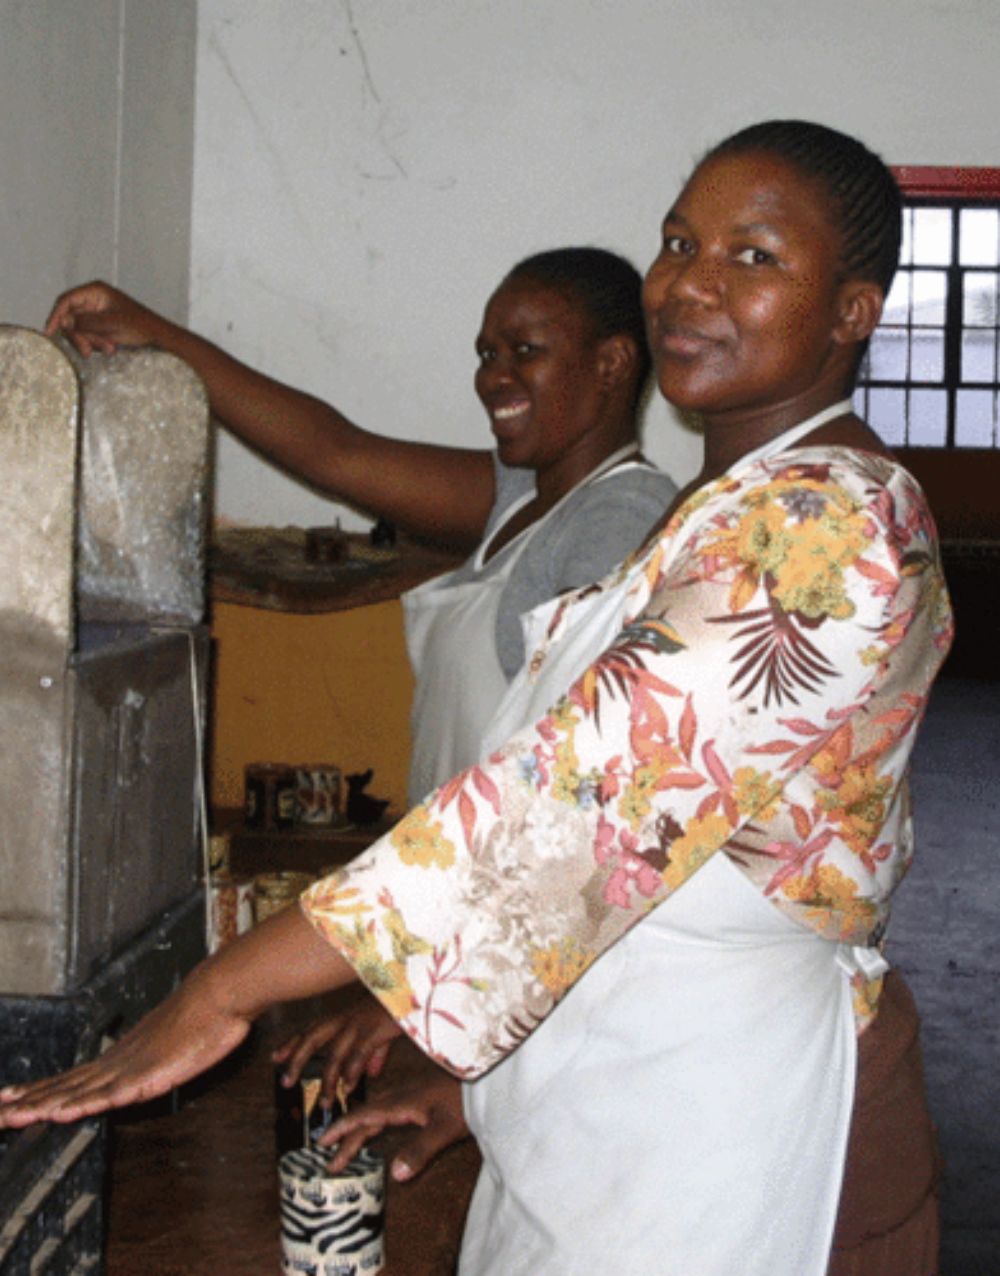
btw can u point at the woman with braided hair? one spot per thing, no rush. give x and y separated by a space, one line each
561 367
645 929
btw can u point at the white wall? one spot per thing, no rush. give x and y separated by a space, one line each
96 149
366 170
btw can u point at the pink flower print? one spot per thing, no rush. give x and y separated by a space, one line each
631 872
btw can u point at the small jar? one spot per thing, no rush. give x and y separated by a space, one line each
231 909
269 796
218 854
275 891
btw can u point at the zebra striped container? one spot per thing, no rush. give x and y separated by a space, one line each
331 1224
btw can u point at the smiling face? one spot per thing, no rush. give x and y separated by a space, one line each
541 377
748 318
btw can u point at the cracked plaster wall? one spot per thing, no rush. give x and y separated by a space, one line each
367 170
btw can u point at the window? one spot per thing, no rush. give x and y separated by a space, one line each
931 377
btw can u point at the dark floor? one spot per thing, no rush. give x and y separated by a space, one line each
195 1193
945 936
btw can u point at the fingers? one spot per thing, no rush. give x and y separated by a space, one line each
98 318
22 1105
347 1149
435 1106
298 1050
353 1044
176 1041
420 1148
65 313
85 1091
376 1061
352 1131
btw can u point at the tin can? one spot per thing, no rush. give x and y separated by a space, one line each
317 795
327 544
275 891
231 909
331 1224
269 796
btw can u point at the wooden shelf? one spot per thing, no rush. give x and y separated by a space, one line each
267 567
307 850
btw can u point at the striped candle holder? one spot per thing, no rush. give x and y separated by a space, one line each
331 1224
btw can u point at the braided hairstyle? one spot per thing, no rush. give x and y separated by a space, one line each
605 286
865 200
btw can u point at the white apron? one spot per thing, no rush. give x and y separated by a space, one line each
451 640
684 1111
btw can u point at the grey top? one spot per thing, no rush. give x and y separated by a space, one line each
591 532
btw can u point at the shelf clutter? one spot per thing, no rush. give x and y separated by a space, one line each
317 569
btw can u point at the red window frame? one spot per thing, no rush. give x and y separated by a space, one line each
918 181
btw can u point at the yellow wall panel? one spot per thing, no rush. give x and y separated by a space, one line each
334 687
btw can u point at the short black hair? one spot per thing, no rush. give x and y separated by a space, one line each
605 286
865 201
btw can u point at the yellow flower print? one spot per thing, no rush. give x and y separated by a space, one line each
761 540
565 768
857 804
754 547
755 793
829 762
807 582
419 840
637 798
806 568
404 943
387 979
874 654
811 580
331 896
702 837
560 965
864 998
389 983
829 895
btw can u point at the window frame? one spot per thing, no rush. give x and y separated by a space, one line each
952 187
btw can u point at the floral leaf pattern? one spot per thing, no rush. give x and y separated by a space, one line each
775 653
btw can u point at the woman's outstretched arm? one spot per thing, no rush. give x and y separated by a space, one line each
283 959
776 649
441 492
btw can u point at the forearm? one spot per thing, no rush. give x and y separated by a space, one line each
441 492
301 433
444 493
282 959
201 1022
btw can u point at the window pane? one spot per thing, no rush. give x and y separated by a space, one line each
978 239
887 354
897 304
887 415
932 236
975 418
979 298
927 354
978 354
906 248
928 418
931 374
929 290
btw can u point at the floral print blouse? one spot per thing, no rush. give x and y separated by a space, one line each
779 639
